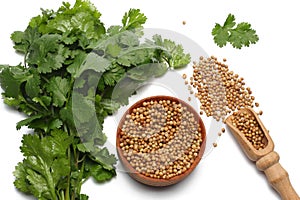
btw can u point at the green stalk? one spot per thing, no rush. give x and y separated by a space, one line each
67 193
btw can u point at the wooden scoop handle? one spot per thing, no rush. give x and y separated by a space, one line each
277 176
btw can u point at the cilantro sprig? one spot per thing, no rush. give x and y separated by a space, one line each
238 35
76 72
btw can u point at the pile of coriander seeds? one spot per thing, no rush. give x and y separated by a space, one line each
248 125
221 93
161 138
219 90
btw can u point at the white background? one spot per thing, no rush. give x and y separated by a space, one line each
269 67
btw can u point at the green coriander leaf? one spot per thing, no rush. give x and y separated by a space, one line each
136 56
27 121
83 109
21 181
114 30
243 35
125 88
221 35
133 19
46 53
74 67
113 50
58 88
45 164
23 40
229 22
237 35
38 184
85 147
109 106
103 157
32 86
94 62
11 79
83 197
98 172
173 53
44 101
112 76
129 39
66 114
55 124
147 71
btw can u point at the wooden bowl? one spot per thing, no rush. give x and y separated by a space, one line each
155 181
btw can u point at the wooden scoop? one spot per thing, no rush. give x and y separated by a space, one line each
267 160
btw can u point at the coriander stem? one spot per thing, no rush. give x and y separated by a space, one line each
62 195
67 194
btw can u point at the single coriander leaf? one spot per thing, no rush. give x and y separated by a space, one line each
243 35
17 37
83 197
59 88
94 62
103 157
27 121
55 124
44 101
229 22
11 78
129 39
133 19
85 147
109 106
113 75
74 67
98 172
21 181
91 132
38 184
23 40
114 30
32 86
221 35
113 50
82 108
66 114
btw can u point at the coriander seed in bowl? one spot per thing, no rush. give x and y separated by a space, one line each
160 140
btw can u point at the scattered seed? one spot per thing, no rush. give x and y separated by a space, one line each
184 22
256 104
223 130
215 144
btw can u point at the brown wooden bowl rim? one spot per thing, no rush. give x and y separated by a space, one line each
154 181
